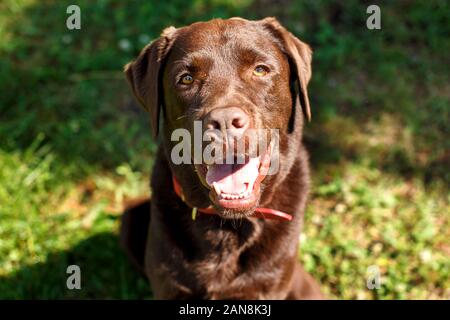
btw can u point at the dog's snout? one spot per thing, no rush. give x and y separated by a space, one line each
232 119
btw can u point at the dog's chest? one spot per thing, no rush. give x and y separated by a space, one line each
229 270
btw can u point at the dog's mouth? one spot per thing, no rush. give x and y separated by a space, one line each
235 188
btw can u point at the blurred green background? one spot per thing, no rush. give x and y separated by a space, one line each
74 147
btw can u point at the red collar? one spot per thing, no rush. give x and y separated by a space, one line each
264 213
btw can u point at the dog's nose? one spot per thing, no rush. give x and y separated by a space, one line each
232 119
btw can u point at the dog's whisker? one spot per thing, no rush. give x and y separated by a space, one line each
181 117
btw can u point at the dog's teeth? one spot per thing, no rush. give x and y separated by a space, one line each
235 196
216 187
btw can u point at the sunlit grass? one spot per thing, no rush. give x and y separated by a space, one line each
376 219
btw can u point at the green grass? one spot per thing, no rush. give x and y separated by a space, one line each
74 148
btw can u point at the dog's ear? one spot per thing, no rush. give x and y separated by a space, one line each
145 75
299 53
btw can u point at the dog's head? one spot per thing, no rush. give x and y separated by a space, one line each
232 78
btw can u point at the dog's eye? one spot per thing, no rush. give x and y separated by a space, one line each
187 79
260 71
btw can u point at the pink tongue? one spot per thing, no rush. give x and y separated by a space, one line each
232 178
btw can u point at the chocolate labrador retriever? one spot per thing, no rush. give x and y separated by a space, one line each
224 230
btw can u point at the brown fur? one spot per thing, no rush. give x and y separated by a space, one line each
212 257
